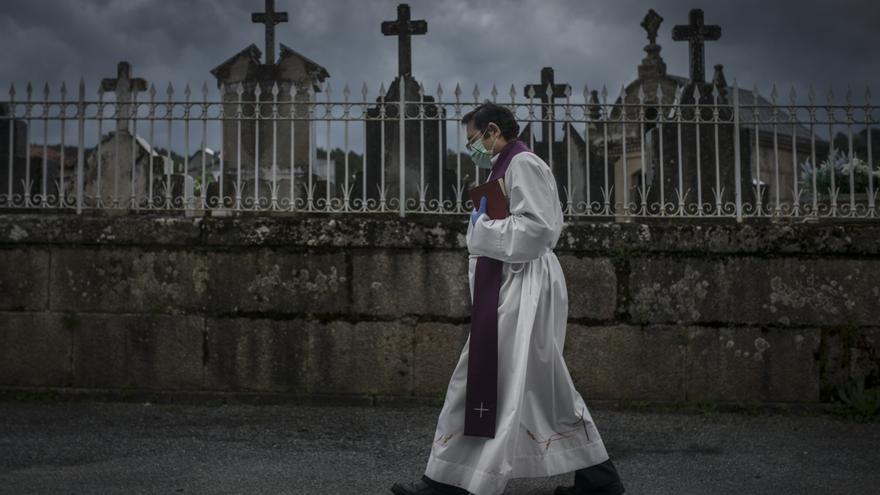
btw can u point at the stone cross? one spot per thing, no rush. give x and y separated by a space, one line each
541 91
123 86
696 33
404 29
270 18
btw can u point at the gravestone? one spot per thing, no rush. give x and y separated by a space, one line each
108 182
256 143
424 137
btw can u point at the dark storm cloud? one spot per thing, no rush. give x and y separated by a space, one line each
504 42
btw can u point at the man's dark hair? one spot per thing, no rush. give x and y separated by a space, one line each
490 112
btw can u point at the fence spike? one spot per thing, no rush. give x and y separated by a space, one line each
868 95
792 95
364 90
439 91
604 94
457 90
46 91
63 90
773 94
476 93
187 92
512 92
346 92
530 92
641 93
82 87
258 91
586 93
382 90
494 91
848 96
11 91
275 89
205 89
811 94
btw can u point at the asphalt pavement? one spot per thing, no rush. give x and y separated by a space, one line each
91 447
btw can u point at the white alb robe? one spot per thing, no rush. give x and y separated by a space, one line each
543 425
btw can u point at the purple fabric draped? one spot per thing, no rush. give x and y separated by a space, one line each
482 371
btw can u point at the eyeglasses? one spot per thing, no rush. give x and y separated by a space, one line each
469 145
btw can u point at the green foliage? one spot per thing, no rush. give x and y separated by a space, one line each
840 167
859 403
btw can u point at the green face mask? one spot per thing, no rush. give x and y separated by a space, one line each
481 157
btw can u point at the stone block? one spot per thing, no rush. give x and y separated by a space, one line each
24 279
436 353
278 282
35 349
754 291
100 350
626 362
166 352
363 358
256 354
421 283
592 287
127 281
751 364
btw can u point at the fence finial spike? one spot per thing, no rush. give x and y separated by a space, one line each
476 92
46 90
152 91
439 90
421 90
457 91
258 90
186 91
792 95
641 93
364 90
530 92
29 90
275 88
868 95
382 90
848 96
494 91
11 90
63 89
604 93
205 88
346 92
512 91
586 93
811 94
773 94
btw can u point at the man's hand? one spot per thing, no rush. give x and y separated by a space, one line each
482 211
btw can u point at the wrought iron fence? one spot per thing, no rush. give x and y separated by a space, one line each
673 151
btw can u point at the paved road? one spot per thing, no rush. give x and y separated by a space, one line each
139 448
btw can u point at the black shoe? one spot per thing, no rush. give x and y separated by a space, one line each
613 489
417 488
421 487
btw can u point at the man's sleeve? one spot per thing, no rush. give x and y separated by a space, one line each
535 216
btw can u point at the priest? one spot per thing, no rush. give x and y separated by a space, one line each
511 409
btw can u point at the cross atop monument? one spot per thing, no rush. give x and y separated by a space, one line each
270 18
696 33
123 86
547 85
404 29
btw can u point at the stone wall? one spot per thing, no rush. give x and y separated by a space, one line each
375 306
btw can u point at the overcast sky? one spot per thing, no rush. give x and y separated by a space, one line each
594 42
789 42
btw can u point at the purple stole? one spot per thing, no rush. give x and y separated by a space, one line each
482 371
